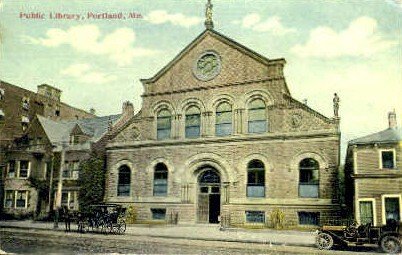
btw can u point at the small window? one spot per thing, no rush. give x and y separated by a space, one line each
255 179
309 218
158 213
160 180
223 121
255 216
215 190
24 169
11 169
204 189
392 210
9 199
193 122
366 212
21 199
164 124
2 115
57 112
25 103
1 94
124 181
257 118
387 158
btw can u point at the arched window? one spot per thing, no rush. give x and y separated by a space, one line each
308 178
124 181
160 180
164 124
257 119
193 122
223 121
255 179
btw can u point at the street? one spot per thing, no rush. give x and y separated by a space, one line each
57 242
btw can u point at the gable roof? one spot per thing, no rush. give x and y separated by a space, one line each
390 135
223 39
59 131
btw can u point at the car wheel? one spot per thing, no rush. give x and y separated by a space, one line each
390 244
324 241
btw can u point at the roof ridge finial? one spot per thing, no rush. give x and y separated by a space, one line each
209 24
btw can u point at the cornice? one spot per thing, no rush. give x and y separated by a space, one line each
220 140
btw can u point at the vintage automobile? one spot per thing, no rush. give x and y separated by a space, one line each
388 237
104 218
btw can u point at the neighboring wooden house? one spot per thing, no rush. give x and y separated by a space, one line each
373 175
36 155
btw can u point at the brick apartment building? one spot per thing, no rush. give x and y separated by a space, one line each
37 154
18 108
219 134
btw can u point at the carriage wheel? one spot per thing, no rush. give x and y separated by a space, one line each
324 241
121 227
390 244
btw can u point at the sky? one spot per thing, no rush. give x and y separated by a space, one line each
351 47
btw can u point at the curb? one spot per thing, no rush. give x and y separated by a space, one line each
267 242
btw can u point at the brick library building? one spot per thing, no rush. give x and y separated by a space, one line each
220 136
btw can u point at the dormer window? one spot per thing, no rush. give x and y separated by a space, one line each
1 94
25 103
24 122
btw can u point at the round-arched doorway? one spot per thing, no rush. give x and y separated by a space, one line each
209 195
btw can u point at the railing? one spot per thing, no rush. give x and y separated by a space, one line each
308 190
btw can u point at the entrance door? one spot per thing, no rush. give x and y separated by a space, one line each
209 198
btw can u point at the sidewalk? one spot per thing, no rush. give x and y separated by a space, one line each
194 232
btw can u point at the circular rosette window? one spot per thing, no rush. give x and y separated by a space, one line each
207 66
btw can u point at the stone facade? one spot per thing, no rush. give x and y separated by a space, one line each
291 133
373 176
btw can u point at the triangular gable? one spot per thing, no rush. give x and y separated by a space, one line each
36 129
220 37
77 130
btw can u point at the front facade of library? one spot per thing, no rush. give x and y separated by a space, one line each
219 135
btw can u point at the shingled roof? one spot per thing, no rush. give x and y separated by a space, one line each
390 135
59 131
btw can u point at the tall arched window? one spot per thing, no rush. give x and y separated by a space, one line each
223 121
124 181
164 124
160 180
193 122
255 179
308 178
257 119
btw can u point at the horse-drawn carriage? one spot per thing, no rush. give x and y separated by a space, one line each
388 237
103 218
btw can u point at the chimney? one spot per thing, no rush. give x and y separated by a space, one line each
392 119
92 111
128 109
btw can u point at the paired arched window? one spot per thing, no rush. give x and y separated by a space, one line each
124 181
193 122
160 180
308 178
164 124
223 121
255 179
257 119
